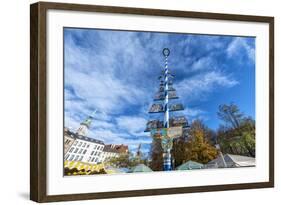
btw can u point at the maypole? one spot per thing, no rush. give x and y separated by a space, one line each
166 155
169 128
166 53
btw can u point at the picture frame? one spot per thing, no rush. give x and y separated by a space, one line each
39 104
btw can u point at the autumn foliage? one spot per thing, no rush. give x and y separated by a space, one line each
197 147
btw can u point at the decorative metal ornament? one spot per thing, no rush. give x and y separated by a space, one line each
166 52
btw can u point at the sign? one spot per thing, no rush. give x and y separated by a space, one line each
167 135
173 132
158 132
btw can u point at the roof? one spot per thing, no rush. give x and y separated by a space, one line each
114 170
241 160
232 161
89 139
81 137
190 165
108 148
121 148
116 148
141 168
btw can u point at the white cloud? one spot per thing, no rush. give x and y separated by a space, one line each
103 91
134 125
203 84
239 44
71 123
97 79
117 137
204 63
116 73
102 124
107 135
192 112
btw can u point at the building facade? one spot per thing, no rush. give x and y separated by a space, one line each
79 147
108 153
82 148
85 149
68 140
113 151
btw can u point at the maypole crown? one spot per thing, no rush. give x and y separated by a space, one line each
166 52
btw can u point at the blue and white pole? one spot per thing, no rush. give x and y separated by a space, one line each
166 90
166 155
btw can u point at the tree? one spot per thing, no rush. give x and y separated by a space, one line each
198 148
237 135
230 114
156 154
120 161
209 134
126 161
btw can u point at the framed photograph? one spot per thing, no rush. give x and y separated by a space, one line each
134 102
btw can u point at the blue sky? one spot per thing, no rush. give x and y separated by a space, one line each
116 73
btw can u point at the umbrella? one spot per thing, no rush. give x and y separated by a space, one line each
112 170
141 168
190 165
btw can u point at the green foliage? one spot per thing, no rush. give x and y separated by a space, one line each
239 138
121 161
235 136
125 161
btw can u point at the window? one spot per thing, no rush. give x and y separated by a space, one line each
66 156
76 158
80 151
96 159
92 152
93 159
80 144
84 145
88 145
95 146
71 149
76 150
75 143
67 141
85 151
81 157
71 158
89 159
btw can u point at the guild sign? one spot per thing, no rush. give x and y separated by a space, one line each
174 132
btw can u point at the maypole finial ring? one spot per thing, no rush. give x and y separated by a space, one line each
166 52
